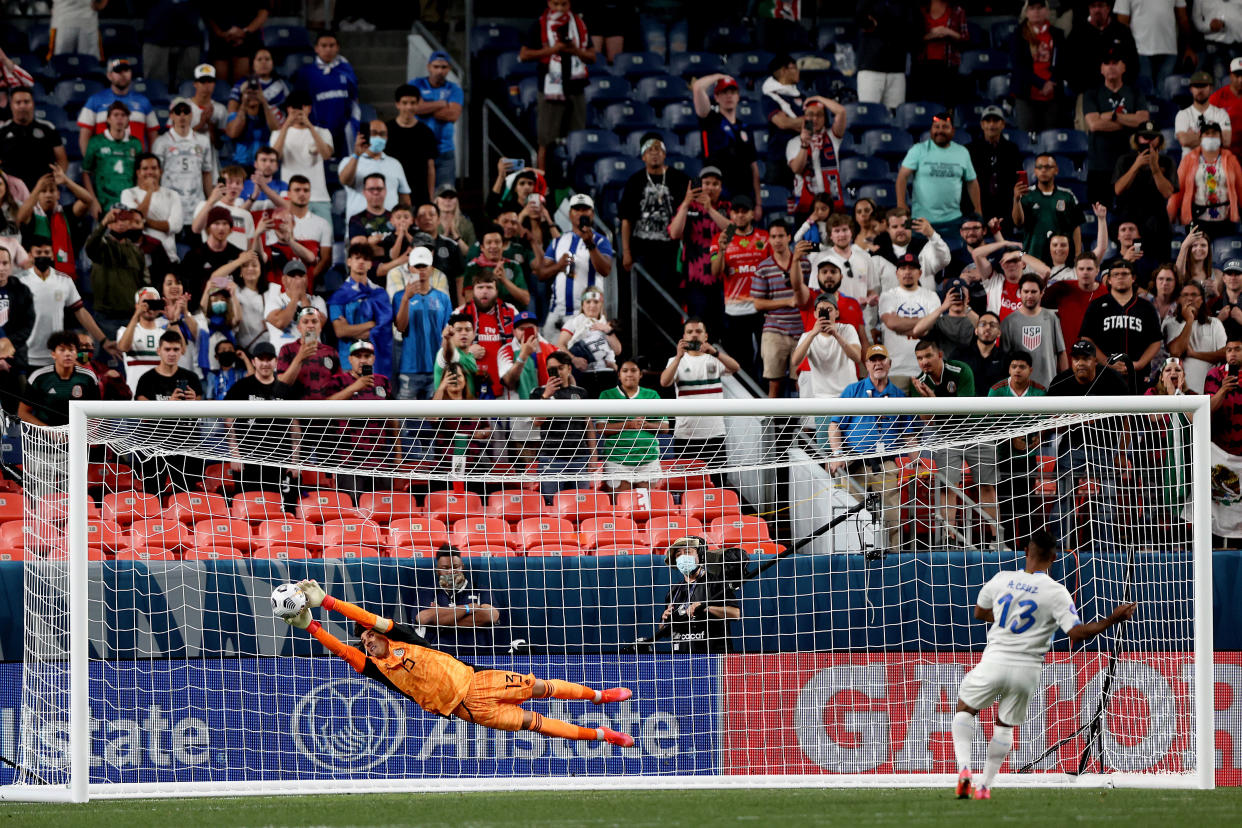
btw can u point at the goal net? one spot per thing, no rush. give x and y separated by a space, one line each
819 639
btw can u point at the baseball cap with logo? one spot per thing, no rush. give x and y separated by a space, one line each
724 84
908 260
420 256
524 317
581 200
992 112
303 312
1232 266
877 351
360 346
119 65
204 71
1235 65
1201 78
145 294
1083 348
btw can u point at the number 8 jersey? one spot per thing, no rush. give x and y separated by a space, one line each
1027 608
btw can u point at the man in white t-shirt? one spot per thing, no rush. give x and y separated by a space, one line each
860 273
1024 608
901 308
369 158
227 194
1156 25
303 147
186 157
282 302
53 293
698 370
159 206
834 351
1189 122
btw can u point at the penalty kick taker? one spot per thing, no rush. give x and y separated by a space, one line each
407 663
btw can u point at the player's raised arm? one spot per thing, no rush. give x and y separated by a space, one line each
1085 632
316 597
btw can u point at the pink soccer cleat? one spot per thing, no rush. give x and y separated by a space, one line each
983 793
612 737
614 694
963 784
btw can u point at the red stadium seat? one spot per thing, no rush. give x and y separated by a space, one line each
55 508
708 504
687 474
577 505
557 549
110 477
327 504
287 532
218 477
189 507
611 532
257 507
735 530
312 479
764 548
126 507
645 504
12 533
662 531
352 532
212 553
545 531
453 506
11 505
231 532
105 535
515 505
385 507
420 535
482 531
146 553
280 552
12 553
350 552
159 533
489 550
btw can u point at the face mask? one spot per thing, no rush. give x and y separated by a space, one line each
378 143
84 357
1210 144
132 235
687 564
226 359
218 308
42 263
450 581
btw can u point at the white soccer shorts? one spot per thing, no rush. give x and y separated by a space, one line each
1014 685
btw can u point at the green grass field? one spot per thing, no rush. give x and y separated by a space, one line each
788 808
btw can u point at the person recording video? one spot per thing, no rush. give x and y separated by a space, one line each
698 609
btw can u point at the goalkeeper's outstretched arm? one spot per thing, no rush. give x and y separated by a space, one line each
316 597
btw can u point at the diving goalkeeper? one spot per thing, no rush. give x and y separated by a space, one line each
406 662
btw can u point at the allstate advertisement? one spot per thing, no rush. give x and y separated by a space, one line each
308 718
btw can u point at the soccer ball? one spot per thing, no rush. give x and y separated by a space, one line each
287 601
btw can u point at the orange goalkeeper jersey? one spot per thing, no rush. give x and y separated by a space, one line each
436 680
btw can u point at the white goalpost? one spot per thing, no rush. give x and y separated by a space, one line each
819 644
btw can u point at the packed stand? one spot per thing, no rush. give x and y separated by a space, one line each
915 200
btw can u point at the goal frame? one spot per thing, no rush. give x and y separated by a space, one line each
80 789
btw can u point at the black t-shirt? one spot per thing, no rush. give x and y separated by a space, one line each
1142 201
198 265
988 370
260 439
27 149
445 255
649 202
155 386
703 632
1117 328
534 40
997 167
563 437
413 146
1107 383
1104 147
728 145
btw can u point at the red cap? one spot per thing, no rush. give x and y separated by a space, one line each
724 83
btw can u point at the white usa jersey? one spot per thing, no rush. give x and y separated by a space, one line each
1027 608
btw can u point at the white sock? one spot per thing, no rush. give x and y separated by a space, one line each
963 736
599 734
998 749
599 697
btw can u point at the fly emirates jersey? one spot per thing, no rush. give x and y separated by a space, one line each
1027 607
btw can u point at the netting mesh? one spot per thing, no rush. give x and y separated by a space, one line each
826 630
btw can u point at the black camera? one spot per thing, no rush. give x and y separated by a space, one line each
693 345
155 305
253 84
562 33
584 222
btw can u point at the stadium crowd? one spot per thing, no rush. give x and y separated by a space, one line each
898 202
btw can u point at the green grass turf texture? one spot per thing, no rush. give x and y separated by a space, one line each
786 808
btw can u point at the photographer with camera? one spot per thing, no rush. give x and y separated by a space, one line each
833 349
1222 385
140 339
699 607
573 263
698 370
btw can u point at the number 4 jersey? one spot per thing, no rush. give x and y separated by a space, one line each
1027 607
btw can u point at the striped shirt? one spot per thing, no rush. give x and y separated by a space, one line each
770 281
699 376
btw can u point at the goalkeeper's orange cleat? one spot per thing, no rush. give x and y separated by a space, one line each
983 793
612 737
963 784
614 694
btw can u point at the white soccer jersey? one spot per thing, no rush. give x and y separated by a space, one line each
699 376
184 161
144 353
1027 607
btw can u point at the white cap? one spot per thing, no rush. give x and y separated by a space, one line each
1235 65
420 256
581 200
204 70
146 293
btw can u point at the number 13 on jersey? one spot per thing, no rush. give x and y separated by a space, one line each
1025 610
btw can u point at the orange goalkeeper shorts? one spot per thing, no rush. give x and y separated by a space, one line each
494 699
